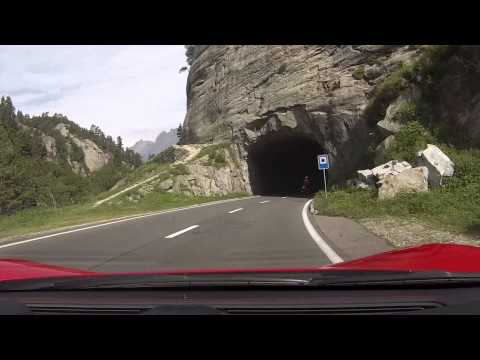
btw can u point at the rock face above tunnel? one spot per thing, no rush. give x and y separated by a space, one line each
244 94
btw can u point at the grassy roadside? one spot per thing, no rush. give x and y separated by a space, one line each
38 220
453 207
445 210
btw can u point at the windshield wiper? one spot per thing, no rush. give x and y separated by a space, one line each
191 284
158 282
331 279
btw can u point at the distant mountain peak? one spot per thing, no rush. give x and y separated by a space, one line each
163 141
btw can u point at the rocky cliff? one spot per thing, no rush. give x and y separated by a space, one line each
284 104
291 98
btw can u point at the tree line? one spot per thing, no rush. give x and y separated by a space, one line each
29 178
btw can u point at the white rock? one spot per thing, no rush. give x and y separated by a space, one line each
363 185
438 164
410 180
95 158
393 167
366 176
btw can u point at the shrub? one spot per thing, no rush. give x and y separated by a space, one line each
359 72
167 156
215 153
411 138
407 111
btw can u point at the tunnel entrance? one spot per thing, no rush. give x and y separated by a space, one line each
279 162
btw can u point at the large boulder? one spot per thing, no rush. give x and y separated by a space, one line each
439 165
368 177
410 180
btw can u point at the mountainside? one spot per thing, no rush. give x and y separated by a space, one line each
51 161
282 105
146 148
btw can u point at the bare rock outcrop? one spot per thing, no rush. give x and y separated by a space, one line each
246 94
94 157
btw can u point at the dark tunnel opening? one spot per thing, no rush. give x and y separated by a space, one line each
279 162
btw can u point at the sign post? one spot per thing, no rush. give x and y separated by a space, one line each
323 164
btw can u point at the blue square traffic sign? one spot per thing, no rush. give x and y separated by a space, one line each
323 162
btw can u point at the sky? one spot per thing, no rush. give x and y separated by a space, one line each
130 91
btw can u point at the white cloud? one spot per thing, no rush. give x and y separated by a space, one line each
129 91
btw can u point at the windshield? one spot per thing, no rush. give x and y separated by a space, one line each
254 163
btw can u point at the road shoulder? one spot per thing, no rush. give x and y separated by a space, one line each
349 239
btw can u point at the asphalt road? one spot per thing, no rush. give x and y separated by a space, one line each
260 232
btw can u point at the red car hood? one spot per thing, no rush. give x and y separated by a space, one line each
432 257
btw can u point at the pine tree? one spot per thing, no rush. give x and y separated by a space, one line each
7 112
138 160
179 132
119 142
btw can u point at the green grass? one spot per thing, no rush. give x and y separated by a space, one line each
37 220
144 172
179 169
215 153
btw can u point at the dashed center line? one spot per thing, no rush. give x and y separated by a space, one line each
233 211
284 197
181 231
263 202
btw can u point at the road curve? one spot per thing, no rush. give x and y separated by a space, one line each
260 232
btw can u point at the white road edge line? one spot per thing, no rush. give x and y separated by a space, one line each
233 211
181 231
263 202
327 250
119 220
